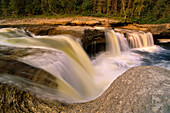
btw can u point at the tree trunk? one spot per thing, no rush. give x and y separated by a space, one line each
115 6
123 8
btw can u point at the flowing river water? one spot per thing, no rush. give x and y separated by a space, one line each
80 79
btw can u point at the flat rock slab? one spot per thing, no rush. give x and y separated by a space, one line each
143 89
78 21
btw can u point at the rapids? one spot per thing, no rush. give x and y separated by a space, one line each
79 79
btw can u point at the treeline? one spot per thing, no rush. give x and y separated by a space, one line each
145 11
43 7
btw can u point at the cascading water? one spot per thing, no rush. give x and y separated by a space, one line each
78 80
116 42
123 43
138 39
112 45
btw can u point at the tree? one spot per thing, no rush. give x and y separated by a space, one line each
86 6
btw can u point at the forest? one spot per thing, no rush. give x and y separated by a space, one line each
139 11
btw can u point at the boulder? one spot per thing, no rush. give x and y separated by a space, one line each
143 89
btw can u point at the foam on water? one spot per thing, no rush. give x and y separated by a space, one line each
79 79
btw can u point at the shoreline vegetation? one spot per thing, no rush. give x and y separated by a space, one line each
132 11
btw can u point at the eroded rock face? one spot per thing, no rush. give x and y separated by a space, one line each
142 89
89 36
94 41
75 31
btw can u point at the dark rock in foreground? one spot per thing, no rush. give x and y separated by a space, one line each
142 89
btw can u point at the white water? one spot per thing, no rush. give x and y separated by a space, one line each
78 79
112 44
139 40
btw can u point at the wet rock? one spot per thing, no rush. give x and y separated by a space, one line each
9 64
89 36
94 41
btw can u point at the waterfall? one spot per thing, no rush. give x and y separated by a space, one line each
112 44
76 78
140 39
123 43
93 48
116 42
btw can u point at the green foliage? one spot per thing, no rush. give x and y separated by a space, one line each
163 20
139 11
86 6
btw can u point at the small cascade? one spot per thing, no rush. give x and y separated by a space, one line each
93 48
150 39
123 43
140 39
112 44
116 42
